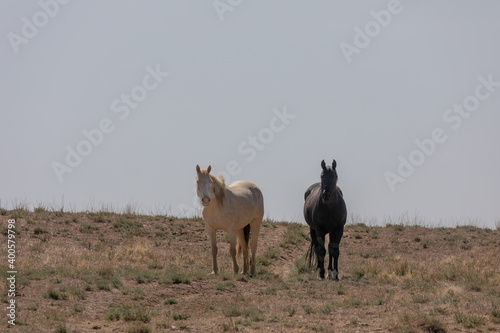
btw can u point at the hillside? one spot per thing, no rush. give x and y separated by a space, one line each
105 272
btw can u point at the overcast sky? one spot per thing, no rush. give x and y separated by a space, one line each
106 103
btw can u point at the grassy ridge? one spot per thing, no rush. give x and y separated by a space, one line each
134 273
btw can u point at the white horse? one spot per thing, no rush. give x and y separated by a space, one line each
237 208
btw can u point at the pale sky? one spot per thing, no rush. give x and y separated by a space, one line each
405 96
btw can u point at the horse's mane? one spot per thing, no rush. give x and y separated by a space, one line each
219 186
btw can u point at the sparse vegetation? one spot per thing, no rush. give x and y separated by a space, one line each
294 235
151 273
469 320
180 316
138 329
129 313
40 231
88 228
128 228
61 329
169 301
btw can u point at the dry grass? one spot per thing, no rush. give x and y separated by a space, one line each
102 271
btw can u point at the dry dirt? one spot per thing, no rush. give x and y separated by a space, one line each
103 272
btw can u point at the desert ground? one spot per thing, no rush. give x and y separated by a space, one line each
107 272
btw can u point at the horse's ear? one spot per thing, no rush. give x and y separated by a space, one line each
209 169
323 165
334 164
198 170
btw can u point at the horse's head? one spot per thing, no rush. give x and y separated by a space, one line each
328 180
204 184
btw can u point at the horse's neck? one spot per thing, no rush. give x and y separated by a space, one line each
333 199
220 193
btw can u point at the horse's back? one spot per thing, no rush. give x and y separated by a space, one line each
310 189
247 193
244 188
310 198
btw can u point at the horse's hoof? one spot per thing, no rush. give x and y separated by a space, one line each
213 273
333 275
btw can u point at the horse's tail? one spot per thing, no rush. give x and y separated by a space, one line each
246 231
310 255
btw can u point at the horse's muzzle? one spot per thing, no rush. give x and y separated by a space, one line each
205 201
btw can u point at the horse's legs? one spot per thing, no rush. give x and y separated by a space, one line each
244 248
213 242
254 236
314 241
318 241
232 250
321 252
333 250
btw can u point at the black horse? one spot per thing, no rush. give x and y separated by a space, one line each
325 212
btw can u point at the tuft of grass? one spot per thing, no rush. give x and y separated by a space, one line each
225 286
232 311
254 314
268 257
397 227
170 301
40 231
241 278
146 277
294 235
290 310
419 322
138 294
77 292
271 290
175 275
53 294
129 313
340 290
87 228
495 315
155 265
107 277
308 309
161 235
325 309
358 273
420 299
128 228
469 321
40 209
180 316
352 302
98 218
138 329
61 329
402 267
